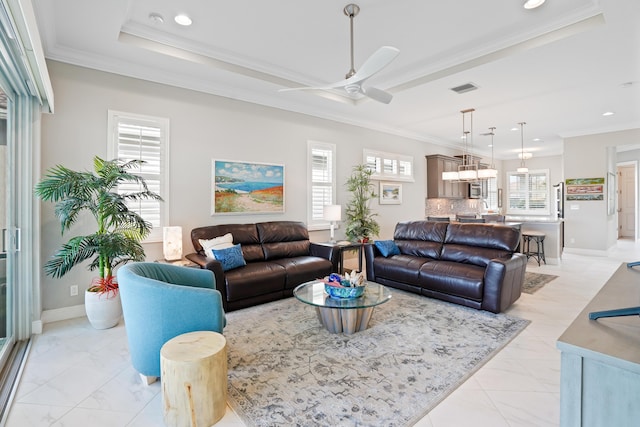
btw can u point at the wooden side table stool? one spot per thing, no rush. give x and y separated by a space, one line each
193 369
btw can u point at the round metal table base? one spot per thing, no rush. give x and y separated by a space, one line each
345 320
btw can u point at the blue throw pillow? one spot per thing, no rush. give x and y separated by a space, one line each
230 258
387 247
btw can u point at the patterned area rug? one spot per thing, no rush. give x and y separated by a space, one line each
535 281
285 369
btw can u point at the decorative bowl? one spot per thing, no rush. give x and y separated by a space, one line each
343 292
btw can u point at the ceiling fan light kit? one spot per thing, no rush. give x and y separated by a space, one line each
354 80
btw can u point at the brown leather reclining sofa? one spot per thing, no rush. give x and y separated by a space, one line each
278 256
469 264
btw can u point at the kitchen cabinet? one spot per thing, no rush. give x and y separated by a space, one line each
437 188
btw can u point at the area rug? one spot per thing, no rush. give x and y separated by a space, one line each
285 369
534 281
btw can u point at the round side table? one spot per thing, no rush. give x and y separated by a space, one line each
193 369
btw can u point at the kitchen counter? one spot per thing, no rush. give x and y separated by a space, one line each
534 219
553 228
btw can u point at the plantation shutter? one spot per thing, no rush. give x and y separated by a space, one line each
144 138
492 194
528 193
322 181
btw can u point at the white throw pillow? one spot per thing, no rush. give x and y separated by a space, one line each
217 243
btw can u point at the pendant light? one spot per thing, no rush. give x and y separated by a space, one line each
468 171
523 167
491 171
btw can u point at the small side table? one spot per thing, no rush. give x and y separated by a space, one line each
345 247
193 371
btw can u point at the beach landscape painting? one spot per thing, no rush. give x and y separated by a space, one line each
247 187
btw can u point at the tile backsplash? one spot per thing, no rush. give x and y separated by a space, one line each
449 207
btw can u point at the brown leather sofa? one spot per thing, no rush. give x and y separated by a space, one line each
278 256
469 264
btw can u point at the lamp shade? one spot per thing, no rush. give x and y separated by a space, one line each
487 173
468 174
450 176
332 212
172 243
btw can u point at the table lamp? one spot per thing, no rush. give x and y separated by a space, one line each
172 243
332 213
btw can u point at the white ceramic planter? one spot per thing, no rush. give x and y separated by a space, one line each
103 310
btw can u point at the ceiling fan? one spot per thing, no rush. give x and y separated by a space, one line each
354 80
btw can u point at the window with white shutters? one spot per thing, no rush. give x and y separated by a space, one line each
528 193
389 166
137 137
322 182
492 194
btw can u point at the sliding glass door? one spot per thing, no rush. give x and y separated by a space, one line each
7 336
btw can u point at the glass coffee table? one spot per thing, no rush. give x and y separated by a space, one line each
346 315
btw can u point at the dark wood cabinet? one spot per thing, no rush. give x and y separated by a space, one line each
437 188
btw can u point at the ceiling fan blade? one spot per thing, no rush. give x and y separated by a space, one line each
376 62
377 94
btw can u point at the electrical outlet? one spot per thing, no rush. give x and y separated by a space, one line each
73 290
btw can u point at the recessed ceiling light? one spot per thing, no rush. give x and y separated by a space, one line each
183 20
156 18
515 129
532 4
536 139
608 113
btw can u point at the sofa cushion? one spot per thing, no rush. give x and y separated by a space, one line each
479 243
420 238
230 258
245 234
400 268
304 269
255 278
387 248
283 239
221 242
453 278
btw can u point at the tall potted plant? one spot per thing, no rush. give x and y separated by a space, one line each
118 233
361 223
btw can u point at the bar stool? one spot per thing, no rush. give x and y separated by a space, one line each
538 238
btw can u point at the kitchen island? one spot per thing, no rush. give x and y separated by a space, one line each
553 228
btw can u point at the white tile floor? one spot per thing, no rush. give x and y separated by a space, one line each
78 376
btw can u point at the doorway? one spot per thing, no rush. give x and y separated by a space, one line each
627 200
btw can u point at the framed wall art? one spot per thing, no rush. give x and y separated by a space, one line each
390 193
585 189
247 187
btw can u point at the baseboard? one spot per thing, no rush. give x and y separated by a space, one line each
65 313
36 327
589 252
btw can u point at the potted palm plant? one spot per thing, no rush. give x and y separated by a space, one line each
361 223
117 239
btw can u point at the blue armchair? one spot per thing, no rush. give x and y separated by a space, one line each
162 301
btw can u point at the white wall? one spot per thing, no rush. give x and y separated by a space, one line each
556 175
588 227
204 127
